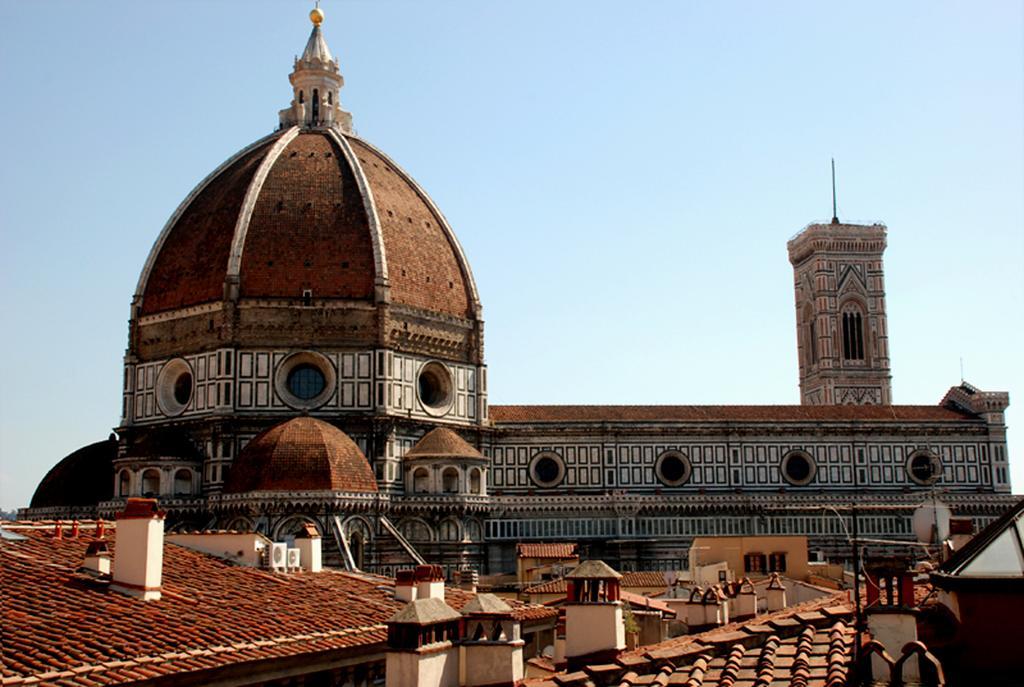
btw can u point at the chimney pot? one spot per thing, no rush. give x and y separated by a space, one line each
58 530
405 585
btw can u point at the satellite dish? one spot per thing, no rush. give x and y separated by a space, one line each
931 522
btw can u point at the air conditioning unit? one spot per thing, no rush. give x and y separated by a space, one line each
293 559
277 556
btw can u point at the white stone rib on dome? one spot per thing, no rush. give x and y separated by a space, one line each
467 273
158 245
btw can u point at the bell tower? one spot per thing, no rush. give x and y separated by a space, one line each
842 334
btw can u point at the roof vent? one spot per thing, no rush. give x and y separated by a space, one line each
97 558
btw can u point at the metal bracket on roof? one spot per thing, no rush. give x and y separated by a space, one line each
342 541
393 531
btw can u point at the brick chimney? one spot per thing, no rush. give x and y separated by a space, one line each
139 556
429 582
309 545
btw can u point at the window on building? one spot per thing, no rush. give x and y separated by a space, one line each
798 468
777 562
306 381
151 482
450 481
124 483
755 563
316 106
853 335
475 482
449 530
183 482
547 469
420 481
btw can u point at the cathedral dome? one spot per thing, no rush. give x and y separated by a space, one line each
309 234
302 454
442 443
308 214
83 478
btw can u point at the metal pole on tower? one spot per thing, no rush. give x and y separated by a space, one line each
835 215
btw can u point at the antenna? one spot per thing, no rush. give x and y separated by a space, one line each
961 369
835 215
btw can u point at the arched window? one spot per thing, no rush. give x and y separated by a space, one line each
450 481
302 97
853 335
330 98
421 481
124 483
449 530
183 482
151 482
475 481
416 530
316 106
357 545
473 531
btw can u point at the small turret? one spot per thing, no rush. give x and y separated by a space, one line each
316 85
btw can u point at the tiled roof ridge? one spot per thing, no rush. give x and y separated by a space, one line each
527 413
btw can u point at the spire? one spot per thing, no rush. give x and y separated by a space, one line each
316 83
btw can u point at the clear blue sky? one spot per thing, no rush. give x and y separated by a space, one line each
623 176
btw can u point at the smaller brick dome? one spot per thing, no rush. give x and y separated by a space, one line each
442 443
83 478
301 454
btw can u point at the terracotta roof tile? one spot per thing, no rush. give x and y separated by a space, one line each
213 613
442 442
301 454
554 551
423 267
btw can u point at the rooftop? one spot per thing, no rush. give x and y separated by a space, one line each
61 624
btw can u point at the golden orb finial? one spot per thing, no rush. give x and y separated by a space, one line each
316 15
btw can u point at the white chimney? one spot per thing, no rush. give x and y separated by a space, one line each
405 585
429 582
309 545
139 556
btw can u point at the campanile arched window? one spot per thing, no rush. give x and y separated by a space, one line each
853 334
316 106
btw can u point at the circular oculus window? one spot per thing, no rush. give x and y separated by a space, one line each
547 469
434 388
798 468
305 380
672 468
175 387
924 467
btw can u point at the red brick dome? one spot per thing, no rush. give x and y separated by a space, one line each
308 213
301 454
